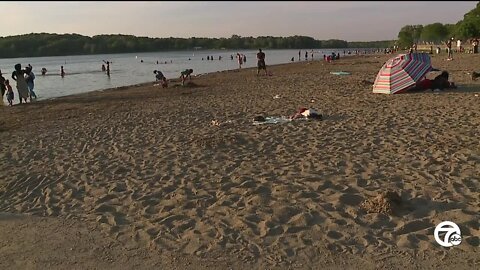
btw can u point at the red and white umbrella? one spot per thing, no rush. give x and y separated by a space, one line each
402 72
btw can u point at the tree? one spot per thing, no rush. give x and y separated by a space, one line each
435 32
405 36
417 32
467 29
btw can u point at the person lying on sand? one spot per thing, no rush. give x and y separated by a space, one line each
440 82
306 113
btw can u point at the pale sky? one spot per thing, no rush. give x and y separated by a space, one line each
351 21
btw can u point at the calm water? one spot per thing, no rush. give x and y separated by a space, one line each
83 72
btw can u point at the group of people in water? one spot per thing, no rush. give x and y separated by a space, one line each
187 73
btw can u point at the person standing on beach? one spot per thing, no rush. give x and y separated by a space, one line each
3 88
19 76
475 45
449 49
306 55
62 71
261 62
29 78
299 55
10 94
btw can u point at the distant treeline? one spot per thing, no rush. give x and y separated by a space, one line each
438 33
45 44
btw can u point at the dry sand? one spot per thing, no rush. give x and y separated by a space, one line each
139 178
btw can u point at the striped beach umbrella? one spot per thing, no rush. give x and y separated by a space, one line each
401 72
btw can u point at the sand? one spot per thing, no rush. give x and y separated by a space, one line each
143 177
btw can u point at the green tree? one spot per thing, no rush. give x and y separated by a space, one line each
405 36
417 32
435 32
468 29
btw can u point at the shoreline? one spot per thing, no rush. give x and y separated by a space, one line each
177 80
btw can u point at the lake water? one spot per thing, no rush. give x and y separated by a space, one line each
84 74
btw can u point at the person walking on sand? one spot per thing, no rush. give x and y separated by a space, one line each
261 62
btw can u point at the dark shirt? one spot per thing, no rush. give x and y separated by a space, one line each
186 72
449 44
2 82
17 73
261 56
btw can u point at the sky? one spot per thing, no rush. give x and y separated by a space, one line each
350 21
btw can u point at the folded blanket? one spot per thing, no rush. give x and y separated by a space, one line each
273 120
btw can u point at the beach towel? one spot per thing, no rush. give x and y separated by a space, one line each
339 73
278 120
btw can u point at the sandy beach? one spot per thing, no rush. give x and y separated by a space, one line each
139 178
